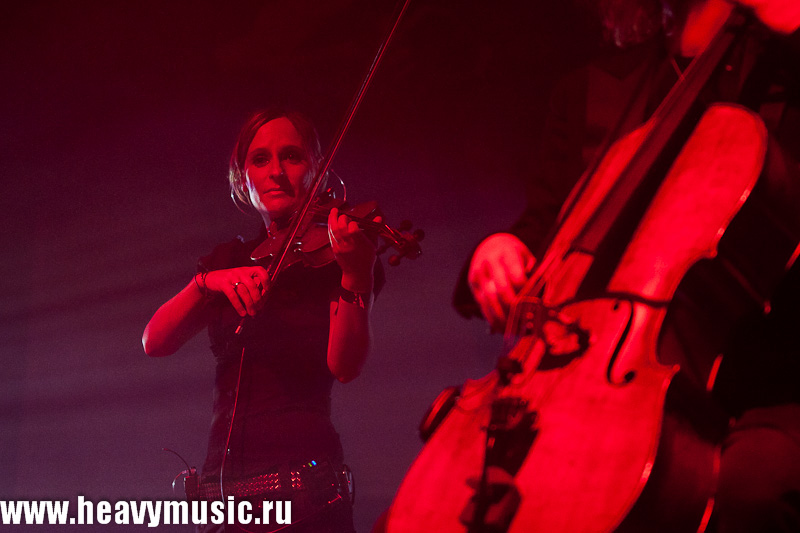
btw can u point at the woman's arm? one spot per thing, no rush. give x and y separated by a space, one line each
178 320
350 334
189 311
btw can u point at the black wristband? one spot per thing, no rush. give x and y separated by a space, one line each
361 299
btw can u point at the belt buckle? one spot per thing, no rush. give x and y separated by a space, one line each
349 482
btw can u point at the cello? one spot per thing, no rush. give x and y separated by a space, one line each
570 433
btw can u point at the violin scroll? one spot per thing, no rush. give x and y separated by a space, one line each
404 241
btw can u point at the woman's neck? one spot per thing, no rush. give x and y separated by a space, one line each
276 223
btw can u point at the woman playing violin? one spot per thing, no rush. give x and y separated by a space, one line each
274 377
759 380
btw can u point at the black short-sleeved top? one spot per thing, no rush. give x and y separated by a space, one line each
283 410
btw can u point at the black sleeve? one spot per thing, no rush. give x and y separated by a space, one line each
226 255
558 163
793 42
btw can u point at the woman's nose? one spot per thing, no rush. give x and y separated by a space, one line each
275 168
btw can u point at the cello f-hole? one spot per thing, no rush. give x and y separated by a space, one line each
630 375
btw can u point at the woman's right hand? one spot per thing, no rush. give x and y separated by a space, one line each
245 287
499 268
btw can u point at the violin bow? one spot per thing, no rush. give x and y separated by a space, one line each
294 228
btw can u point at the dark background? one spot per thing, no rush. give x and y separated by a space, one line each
117 123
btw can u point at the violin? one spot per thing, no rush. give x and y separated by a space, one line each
306 237
311 244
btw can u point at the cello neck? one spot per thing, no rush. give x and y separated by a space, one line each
665 121
586 230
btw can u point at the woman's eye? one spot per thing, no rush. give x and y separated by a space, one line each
292 156
260 160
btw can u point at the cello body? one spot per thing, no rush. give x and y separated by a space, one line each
599 436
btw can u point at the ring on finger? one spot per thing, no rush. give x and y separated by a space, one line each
236 285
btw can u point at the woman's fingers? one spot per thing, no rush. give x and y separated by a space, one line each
342 231
245 287
249 294
235 300
353 250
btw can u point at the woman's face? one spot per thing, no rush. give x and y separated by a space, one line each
277 169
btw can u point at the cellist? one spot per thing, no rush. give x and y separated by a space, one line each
758 383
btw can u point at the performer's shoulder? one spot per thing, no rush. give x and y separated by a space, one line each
229 254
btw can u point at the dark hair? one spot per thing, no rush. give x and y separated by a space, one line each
302 124
631 22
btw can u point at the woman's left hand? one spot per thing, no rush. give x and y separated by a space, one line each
353 250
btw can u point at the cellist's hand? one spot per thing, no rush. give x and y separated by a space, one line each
353 250
499 268
782 16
